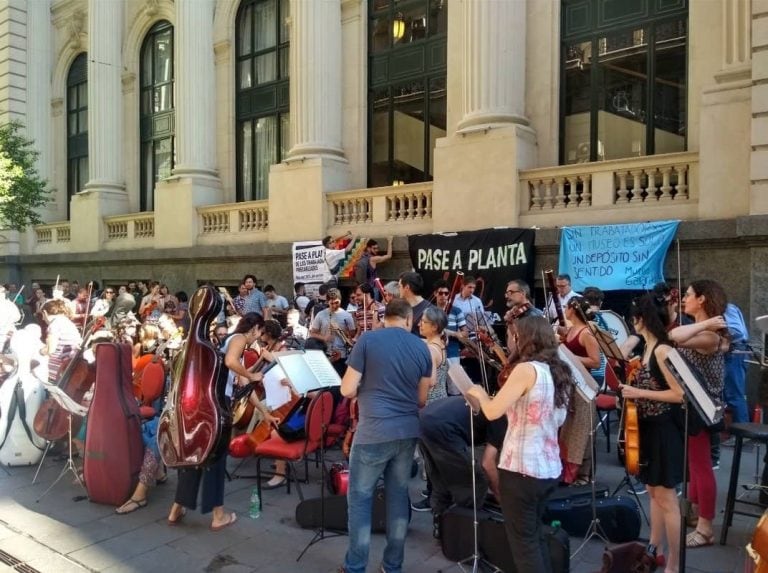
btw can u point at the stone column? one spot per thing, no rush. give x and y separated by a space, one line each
493 68
104 194
195 89
315 162
315 79
195 181
39 34
105 96
479 161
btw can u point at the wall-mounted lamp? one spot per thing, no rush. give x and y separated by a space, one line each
398 27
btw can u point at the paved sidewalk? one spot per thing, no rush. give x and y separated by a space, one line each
61 535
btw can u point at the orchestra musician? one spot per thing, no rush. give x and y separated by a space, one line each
657 396
535 401
518 297
564 293
335 327
213 477
369 314
577 428
703 343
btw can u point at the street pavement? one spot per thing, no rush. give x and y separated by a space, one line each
64 532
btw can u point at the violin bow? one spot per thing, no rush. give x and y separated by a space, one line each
87 307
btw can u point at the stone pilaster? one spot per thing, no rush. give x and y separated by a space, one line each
759 137
315 79
104 194
493 67
195 181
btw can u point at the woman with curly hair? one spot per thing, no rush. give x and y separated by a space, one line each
704 344
535 401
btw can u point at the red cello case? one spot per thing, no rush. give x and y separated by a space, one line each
114 449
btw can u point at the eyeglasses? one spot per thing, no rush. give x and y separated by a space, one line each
109 292
510 291
444 292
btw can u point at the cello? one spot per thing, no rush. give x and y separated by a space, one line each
194 426
630 441
77 376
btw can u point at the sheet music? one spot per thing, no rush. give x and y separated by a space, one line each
463 382
586 386
308 370
688 378
276 393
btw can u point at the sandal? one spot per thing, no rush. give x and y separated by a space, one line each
161 480
274 485
131 505
177 521
230 521
580 482
697 539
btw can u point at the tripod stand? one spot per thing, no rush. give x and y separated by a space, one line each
595 529
321 534
68 467
475 560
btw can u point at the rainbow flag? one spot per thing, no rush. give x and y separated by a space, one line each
347 269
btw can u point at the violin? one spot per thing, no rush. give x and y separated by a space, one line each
76 378
516 312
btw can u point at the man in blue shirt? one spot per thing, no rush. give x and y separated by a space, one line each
389 371
734 389
256 301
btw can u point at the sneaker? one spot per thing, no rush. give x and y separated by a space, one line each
637 487
422 505
436 529
716 465
424 493
679 490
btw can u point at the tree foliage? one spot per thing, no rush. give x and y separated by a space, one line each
22 191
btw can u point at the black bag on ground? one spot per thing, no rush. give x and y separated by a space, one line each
308 512
619 516
456 539
628 557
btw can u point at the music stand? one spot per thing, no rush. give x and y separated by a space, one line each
610 349
320 533
69 466
694 393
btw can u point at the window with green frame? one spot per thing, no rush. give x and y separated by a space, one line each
262 101
77 127
158 141
623 79
407 48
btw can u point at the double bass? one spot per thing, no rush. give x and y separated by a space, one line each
194 426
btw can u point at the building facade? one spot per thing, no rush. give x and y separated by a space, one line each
196 139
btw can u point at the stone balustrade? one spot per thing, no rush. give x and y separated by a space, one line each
126 231
382 209
641 188
234 222
52 237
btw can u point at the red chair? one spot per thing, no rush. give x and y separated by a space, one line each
319 412
152 386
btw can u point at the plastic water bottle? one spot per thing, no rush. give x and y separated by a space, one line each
555 524
254 510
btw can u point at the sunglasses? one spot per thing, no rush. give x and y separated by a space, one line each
109 292
444 292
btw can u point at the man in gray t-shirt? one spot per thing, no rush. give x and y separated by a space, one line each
389 371
335 327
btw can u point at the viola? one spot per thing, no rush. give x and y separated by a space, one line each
76 378
631 429
516 312
194 426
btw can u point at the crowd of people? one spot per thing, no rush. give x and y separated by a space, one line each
393 344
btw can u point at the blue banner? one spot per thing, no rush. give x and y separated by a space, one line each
616 257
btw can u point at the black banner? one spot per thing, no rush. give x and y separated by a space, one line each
495 255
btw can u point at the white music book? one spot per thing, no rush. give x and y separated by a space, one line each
276 394
586 386
307 370
690 380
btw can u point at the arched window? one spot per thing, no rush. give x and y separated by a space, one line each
77 127
407 49
262 103
623 79
158 144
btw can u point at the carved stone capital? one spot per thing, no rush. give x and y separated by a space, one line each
57 106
